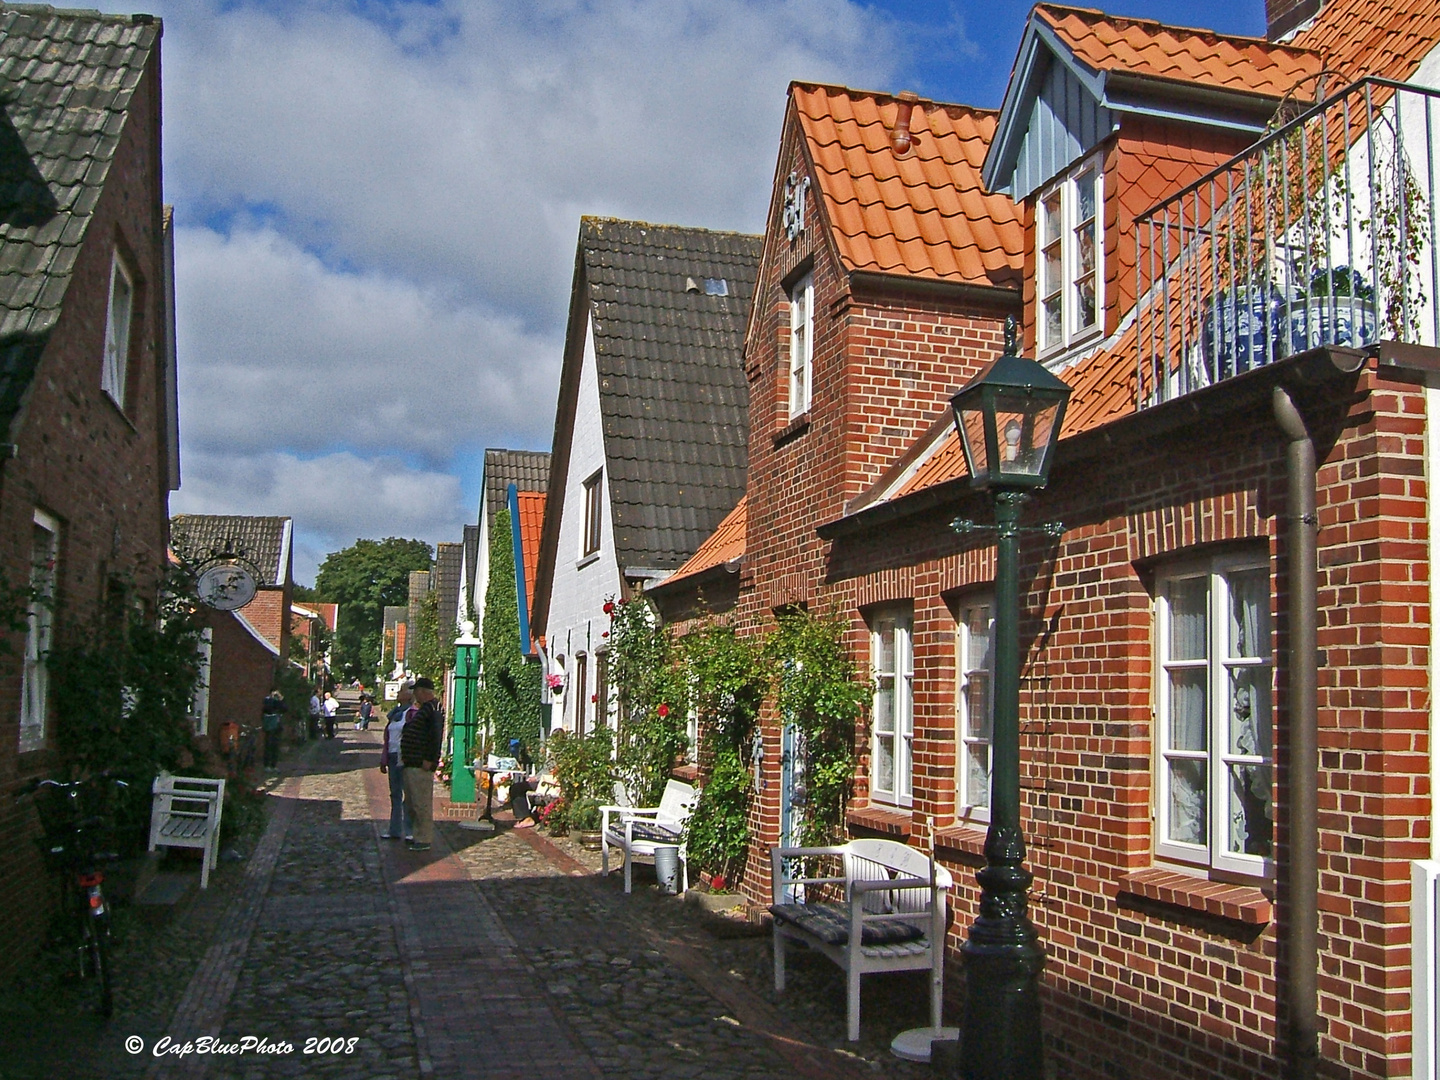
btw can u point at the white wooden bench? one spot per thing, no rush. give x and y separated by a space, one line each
185 813
639 830
892 917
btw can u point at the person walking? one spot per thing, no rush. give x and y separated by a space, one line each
400 816
314 714
367 710
419 754
272 718
330 708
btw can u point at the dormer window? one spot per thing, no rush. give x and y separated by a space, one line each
117 330
1069 236
802 343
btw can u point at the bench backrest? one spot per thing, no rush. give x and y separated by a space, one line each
199 796
676 803
881 860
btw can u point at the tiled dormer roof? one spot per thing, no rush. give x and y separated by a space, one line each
923 214
66 82
725 544
1146 48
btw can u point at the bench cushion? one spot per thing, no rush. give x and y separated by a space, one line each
652 831
831 924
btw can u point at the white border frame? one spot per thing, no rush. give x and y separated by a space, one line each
902 618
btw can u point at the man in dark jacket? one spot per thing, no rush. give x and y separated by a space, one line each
419 754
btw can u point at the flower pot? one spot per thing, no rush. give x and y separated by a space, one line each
590 839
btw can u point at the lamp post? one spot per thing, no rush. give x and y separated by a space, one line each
1008 418
463 713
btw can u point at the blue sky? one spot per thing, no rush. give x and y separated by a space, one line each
377 205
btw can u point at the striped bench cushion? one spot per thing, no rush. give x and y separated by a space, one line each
831 924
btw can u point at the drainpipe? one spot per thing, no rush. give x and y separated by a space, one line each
1301 933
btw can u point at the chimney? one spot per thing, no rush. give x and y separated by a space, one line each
1284 17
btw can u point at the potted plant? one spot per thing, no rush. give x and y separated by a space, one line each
584 817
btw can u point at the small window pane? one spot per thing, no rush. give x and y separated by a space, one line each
885 704
885 763
1187 801
1050 282
1250 711
1050 214
977 705
1250 613
1187 618
1188 709
977 774
1085 196
885 651
1053 321
1251 827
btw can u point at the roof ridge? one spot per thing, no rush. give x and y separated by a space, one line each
1198 31
600 219
135 19
920 102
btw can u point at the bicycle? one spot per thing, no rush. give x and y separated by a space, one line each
71 848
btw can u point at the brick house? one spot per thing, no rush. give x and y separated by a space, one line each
1157 707
87 369
243 646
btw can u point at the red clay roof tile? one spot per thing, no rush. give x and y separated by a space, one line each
532 517
1388 38
1146 47
727 542
924 214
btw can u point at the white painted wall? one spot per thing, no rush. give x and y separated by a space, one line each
576 619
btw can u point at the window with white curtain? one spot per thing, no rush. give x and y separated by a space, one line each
1069 225
802 343
893 727
974 704
117 330
1214 715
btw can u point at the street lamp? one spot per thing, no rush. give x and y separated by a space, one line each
1008 418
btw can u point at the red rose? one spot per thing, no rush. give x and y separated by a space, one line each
664 711
594 697
609 608
605 633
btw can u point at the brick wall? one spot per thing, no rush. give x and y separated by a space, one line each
100 472
242 670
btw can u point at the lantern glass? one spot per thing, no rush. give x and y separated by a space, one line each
970 419
1024 427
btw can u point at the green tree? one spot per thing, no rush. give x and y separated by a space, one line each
363 579
510 684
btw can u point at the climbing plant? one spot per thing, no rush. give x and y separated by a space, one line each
652 694
729 677
819 690
509 683
123 684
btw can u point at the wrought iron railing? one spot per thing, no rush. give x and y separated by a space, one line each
1322 233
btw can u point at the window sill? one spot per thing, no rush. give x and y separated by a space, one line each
795 428
966 838
1238 903
580 564
880 820
119 409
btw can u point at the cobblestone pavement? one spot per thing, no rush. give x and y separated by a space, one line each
492 952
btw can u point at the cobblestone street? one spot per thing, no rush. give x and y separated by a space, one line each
488 953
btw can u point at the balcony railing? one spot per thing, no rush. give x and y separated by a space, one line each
1322 233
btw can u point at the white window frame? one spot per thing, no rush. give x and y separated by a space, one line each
970 668
594 521
1069 262
898 623
802 344
118 312
1214 853
39 626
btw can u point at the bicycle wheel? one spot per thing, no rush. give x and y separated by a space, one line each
98 949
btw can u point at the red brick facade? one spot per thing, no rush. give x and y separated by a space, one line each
101 472
1156 969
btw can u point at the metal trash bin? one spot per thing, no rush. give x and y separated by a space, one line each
667 868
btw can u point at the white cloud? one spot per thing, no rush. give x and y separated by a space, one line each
335 499
379 202
281 352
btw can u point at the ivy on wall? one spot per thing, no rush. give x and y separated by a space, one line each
509 693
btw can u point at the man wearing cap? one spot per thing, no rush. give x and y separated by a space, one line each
419 753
